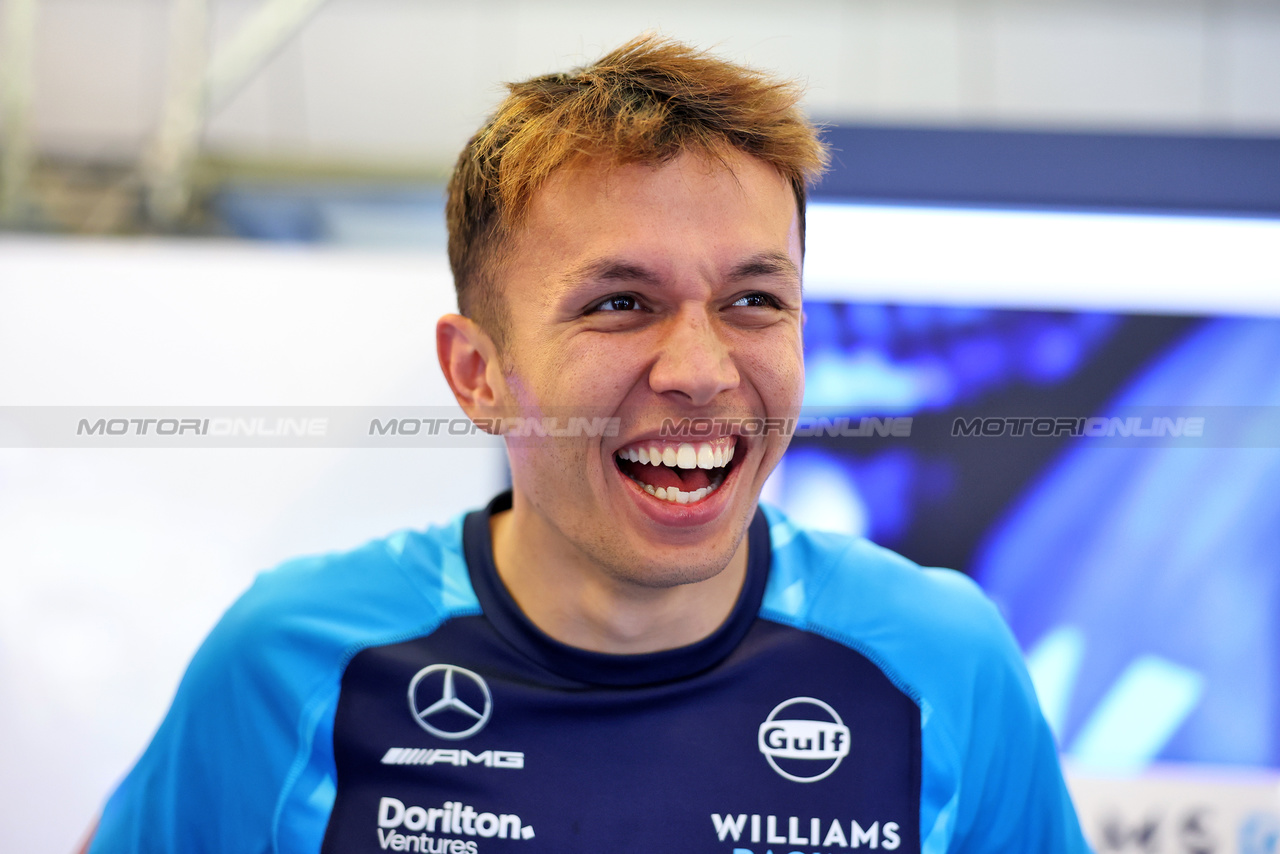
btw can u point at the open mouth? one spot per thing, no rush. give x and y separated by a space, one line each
679 472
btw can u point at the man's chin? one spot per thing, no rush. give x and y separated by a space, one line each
677 569
657 556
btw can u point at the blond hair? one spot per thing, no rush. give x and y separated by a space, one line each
646 102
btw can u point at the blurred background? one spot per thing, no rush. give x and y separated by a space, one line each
1039 208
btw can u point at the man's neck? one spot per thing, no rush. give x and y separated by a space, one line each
579 603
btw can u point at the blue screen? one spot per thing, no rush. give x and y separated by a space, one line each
1135 556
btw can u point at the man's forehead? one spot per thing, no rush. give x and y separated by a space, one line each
595 197
602 176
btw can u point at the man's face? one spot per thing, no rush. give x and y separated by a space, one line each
648 293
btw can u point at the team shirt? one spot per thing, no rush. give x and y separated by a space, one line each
395 698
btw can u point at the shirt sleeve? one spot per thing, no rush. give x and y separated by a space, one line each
211 777
1013 797
243 762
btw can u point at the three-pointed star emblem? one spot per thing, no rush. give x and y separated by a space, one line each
434 716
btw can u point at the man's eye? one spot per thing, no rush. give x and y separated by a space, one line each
619 302
757 300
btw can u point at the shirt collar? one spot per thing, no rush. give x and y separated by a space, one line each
600 668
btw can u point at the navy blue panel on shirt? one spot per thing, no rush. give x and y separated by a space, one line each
487 736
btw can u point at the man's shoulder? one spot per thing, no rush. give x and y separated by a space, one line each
426 560
405 582
839 579
929 629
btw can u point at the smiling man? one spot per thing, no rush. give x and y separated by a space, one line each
624 653
652 293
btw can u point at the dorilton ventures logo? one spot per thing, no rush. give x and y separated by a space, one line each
450 702
804 739
454 818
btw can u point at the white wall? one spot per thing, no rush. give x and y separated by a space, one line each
408 80
116 562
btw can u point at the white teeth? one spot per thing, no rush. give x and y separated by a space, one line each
676 496
704 455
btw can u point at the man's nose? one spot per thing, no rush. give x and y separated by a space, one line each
694 361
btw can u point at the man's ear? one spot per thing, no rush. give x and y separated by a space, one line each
469 360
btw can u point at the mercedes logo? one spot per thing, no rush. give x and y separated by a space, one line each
450 701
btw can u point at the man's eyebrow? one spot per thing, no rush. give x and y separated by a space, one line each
617 270
765 264
610 270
